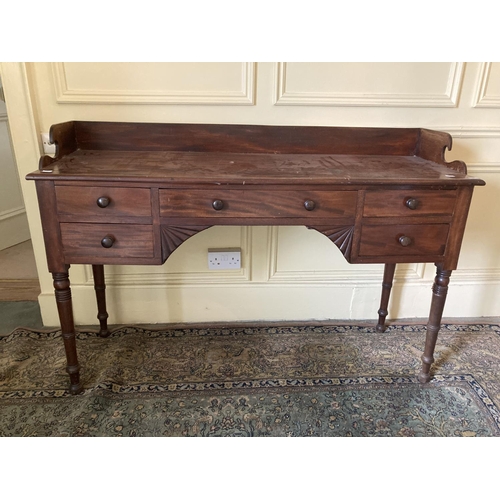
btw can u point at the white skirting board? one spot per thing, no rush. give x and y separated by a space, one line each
259 302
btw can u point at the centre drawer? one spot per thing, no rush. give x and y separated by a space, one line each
409 202
107 240
403 239
80 202
261 203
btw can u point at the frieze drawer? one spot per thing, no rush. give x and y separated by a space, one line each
407 203
248 203
403 239
107 240
102 202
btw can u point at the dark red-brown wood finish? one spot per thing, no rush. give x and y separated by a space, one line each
131 193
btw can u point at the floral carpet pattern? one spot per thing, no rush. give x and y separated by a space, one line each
274 381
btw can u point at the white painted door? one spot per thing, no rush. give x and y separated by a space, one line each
13 221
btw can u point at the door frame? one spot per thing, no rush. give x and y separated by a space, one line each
27 151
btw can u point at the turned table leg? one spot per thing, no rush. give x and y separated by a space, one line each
439 291
386 293
65 310
100 293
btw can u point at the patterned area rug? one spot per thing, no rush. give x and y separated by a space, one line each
280 381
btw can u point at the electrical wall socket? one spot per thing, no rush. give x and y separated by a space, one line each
48 147
224 258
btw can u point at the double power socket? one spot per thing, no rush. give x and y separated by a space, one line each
224 258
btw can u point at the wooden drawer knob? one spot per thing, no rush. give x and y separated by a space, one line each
103 201
412 203
405 241
218 204
309 205
107 241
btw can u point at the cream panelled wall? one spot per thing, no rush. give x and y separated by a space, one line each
288 273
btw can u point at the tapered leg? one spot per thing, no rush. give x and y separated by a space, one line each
65 310
386 293
439 291
100 293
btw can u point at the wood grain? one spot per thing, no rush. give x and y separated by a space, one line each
427 239
13 290
392 202
245 138
250 169
256 203
81 202
84 240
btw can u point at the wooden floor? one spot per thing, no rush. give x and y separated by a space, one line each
18 274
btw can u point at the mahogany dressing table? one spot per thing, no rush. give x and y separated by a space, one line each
131 193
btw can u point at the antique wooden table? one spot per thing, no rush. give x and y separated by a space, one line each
131 193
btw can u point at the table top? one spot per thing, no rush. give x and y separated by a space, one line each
210 154
249 168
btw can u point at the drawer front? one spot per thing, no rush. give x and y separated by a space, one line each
406 203
403 239
107 240
103 201
248 203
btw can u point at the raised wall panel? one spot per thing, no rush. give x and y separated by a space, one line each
478 264
479 147
10 190
155 83
488 86
369 84
13 222
474 145
301 256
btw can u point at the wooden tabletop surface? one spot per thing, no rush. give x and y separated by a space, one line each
213 168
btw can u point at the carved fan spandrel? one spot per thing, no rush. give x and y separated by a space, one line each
339 235
174 236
